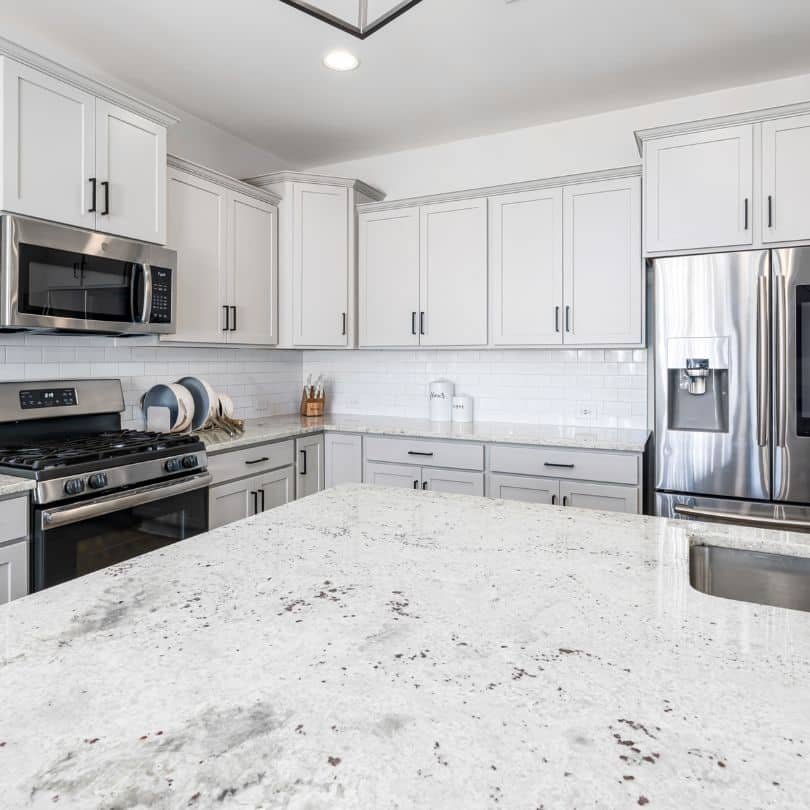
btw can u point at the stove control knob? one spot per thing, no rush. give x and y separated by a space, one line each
173 465
189 462
74 486
97 481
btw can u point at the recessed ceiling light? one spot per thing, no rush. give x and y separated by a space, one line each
341 60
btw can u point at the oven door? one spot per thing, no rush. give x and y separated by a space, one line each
78 538
60 278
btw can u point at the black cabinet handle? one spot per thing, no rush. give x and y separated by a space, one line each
745 208
424 484
413 323
416 484
567 318
770 211
556 319
565 500
227 318
92 208
418 453
261 492
343 327
257 460
233 328
421 323
255 502
106 186
564 466
304 468
553 500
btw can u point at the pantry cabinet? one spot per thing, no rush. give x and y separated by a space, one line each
225 235
75 158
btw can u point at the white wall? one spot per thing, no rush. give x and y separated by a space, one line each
262 382
546 387
568 147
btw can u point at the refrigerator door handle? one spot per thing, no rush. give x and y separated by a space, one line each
781 360
763 350
737 519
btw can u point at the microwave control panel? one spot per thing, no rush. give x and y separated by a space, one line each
161 295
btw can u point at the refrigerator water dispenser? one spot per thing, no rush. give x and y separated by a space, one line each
697 382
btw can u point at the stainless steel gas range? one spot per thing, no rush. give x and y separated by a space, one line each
102 494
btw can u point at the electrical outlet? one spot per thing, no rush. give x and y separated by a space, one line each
585 412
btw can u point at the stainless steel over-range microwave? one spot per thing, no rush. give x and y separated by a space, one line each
57 278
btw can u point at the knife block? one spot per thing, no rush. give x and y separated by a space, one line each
313 406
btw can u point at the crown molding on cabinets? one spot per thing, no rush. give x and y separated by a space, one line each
224 180
359 186
96 88
509 188
703 124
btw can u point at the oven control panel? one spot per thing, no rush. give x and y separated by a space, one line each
161 295
48 398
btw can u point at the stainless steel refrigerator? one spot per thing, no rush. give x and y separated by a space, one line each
732 387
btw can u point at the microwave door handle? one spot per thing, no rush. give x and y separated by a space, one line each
146 310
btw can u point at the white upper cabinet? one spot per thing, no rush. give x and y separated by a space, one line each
75 158
526 268
389 278
699 190
320 265
49 152
197 230
253 280
603 267
453 273
785 208
131 173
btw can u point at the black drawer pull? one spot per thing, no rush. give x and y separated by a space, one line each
255 496
258 460
424 484
416 484
92 208
564 466
418 453
106 186
565 500
304 467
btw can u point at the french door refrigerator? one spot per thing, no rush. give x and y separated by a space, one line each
732 387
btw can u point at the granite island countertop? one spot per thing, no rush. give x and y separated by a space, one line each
375 648
274 428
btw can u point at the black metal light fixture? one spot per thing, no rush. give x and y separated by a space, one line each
361 24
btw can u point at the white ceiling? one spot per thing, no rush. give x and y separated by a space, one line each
447 69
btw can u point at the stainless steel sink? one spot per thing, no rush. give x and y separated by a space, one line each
751 576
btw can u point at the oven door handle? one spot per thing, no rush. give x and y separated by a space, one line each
65 515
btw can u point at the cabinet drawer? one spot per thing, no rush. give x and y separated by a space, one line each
561 462
425 453
13 518
228 466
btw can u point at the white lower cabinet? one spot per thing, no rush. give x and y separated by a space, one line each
343 459
523 488
13 570
309 461
607 497
424 478
236 500
393 475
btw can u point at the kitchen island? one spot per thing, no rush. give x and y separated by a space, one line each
375 648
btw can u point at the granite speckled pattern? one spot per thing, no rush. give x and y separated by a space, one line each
285 427
375 648
13 485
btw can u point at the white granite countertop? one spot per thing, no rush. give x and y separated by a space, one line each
374 648
13 485
284 427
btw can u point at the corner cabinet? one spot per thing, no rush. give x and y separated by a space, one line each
317 257
309 465
225 235
75 158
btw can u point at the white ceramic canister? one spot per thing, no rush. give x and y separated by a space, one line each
441 400
462 408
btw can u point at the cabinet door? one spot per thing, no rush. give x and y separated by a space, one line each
389 278
526 268
604 274
699 189
131 158
401 476
253 272
228 503
785 208
309 453
197 230
48 147
607 497
462 483
520 488
276 488
343 463
453 273
13 571
320 265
